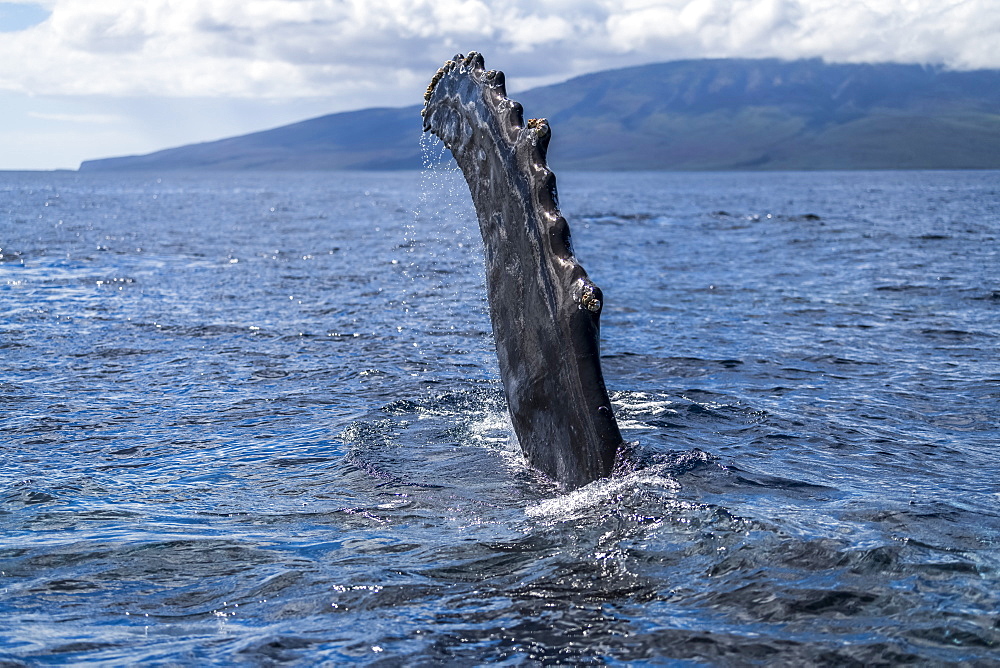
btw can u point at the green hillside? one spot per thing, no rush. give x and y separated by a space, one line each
720 114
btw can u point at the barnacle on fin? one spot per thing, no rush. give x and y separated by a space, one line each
589 296
475 60
539 124
434 82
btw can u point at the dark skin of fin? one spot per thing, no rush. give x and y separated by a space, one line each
545 310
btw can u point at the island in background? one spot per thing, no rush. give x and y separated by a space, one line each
718 114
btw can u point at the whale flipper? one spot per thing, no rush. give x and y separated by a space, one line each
545 310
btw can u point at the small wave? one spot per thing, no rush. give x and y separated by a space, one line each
615 218
604 491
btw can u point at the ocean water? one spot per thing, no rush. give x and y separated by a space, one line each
256 419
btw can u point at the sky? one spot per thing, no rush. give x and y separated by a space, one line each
83 79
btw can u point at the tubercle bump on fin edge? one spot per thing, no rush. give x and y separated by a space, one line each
532 136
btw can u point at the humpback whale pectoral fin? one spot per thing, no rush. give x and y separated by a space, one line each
544 309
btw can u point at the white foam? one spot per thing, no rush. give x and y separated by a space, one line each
600 491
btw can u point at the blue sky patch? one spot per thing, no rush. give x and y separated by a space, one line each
15 16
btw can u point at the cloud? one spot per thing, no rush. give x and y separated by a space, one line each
15 16
173 71
359 52
100 119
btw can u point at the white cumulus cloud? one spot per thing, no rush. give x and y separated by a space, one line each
352 49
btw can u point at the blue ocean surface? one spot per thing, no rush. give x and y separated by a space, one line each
255 418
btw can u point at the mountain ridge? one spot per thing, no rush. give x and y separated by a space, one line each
711 114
